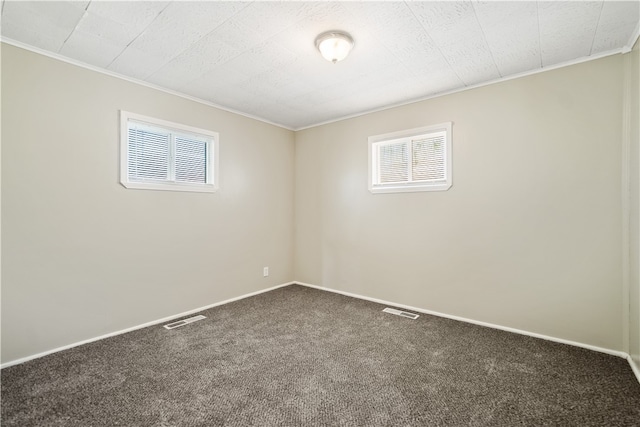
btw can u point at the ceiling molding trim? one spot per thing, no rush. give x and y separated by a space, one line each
229 110
135 81
476 86
632 40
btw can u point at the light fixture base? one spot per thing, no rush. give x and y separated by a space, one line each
334 45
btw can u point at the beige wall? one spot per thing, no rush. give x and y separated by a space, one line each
528 237
632 92
82 255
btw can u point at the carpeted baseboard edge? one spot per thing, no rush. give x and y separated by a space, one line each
144 325
617 353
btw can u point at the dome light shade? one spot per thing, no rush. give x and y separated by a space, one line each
334 45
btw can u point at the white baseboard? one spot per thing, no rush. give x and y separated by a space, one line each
634 367
475 322
144 325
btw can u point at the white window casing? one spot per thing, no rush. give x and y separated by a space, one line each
160 155
411 160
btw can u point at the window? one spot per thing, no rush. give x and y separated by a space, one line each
411 160
160 155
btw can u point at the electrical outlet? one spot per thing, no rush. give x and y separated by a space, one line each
265 271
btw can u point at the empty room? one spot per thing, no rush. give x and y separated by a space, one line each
225 213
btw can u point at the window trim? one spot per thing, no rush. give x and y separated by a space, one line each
412 186
212 155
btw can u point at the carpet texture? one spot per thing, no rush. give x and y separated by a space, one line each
297 356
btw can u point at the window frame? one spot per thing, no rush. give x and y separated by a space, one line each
406 136
212 141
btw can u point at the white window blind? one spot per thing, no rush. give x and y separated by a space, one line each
166 156
394 163
413 160
191 164
428 158
148 153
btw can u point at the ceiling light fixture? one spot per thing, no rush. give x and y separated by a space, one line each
334 45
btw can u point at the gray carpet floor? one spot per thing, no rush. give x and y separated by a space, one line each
297 356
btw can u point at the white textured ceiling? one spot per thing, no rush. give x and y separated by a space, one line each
259 58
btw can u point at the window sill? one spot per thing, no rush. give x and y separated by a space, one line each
205 188
409 188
